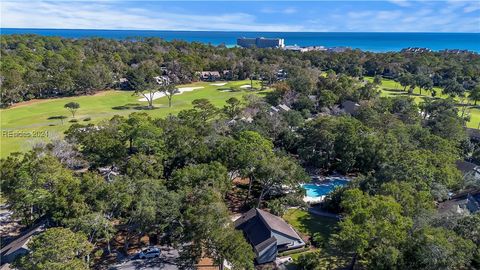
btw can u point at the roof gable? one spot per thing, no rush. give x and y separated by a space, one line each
276 223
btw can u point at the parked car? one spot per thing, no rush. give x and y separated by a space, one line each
150 252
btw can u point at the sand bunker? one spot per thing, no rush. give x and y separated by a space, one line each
246 86
180 91
218 84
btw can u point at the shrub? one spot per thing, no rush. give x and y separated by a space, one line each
73 121
318 240
293 251
87 119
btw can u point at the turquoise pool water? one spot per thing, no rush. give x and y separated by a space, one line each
321 189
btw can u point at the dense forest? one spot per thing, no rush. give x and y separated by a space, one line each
42 67
172 178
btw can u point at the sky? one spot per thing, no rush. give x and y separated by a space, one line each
264 16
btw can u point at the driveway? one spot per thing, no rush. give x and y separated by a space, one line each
167 261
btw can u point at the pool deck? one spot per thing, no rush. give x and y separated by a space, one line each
308 199
319 181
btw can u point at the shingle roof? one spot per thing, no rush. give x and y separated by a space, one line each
265 244
465 166
21 241
277 224
350 106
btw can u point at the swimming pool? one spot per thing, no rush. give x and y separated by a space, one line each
316 190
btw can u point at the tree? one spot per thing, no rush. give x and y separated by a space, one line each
439 248
405 80
423 82
72 107
475 94
377 80
244 154
453 88
374 229
57 249
210 230
169 90
277 171
213 175
232 109
41 187
143 81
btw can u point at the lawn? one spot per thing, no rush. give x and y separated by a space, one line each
391 88
32 118
308 224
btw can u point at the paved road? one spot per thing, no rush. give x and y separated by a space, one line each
167 261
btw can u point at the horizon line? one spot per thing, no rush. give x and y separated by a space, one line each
230 31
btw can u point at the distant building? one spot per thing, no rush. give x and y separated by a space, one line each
457 51
416 50
337 49
261 42
162 80
210 76
305 49
279 108
268 234
281 75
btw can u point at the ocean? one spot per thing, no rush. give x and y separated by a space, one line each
375 42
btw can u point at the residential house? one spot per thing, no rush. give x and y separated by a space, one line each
18 247
279 108
210 76
268 234
350 107
468 168
227 75
473 134
465 203
162 80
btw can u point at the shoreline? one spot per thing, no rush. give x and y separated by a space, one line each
384 41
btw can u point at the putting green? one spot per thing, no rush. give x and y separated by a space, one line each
28 123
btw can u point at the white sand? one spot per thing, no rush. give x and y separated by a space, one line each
218 84
226 90
246 86
180 90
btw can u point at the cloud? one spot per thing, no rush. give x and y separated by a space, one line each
270 10
109 15
401 3
418 16
472 7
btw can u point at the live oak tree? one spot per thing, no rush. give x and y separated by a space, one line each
57 249
438 248
475 94
374 229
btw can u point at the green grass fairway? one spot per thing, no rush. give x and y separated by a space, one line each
391 88
32 117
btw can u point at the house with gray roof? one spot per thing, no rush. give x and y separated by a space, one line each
350 107
18 247
468 168
268 234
